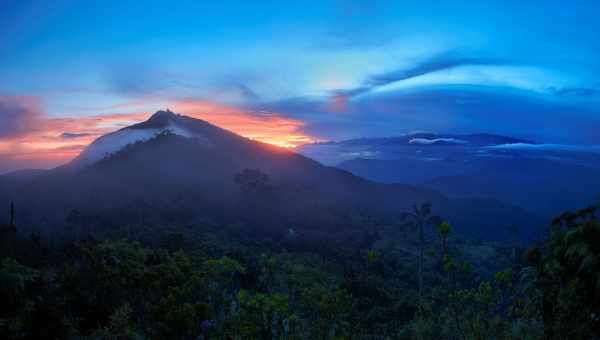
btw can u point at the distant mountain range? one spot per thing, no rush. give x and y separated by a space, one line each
421 145
176 169
433 139
545 179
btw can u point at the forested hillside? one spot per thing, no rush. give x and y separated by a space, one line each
221 282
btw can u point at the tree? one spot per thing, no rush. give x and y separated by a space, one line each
263 315
513 231
8 235
421 218
443 230
568 272
12 214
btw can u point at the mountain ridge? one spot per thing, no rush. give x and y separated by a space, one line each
194 176
474 139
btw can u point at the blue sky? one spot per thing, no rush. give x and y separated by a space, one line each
342 68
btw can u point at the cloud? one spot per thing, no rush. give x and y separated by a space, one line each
71 135
425 141
294 121
442 61
547 147
18 115
574 91
147 81
474 108
245 91
262 125
31 139
439 62
445 109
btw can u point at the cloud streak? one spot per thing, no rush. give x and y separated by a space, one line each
147 81
574 91
71 135
439 62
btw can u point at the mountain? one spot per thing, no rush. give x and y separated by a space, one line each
419 145
176 169
160 122
545 187
434 139
545 179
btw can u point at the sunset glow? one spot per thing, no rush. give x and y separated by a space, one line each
266 127
348 70
50 141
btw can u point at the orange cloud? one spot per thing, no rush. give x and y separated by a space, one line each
267 127
45 142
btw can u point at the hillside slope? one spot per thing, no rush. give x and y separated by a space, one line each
184 170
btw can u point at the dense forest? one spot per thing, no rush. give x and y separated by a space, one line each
416 279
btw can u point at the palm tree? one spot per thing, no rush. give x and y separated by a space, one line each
421 218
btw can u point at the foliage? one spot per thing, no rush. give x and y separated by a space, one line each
569 276
200 283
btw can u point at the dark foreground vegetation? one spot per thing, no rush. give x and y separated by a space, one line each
211 282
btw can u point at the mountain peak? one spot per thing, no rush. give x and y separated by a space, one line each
165 112
159 119
163 115
160 122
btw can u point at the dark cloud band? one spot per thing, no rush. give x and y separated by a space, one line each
443 61
17 115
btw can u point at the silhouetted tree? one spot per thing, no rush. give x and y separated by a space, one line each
8 234
12 214
513 230
443 230
421 217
